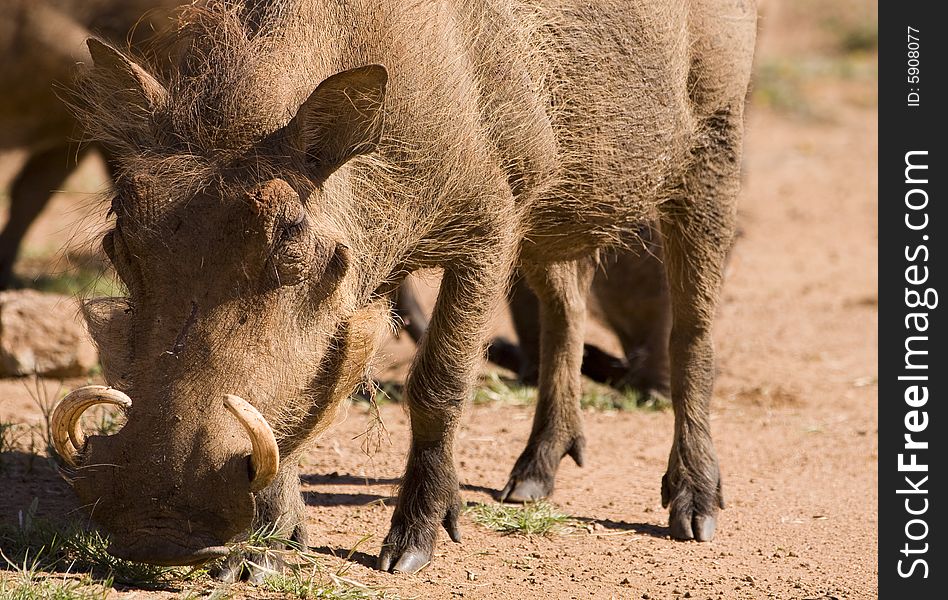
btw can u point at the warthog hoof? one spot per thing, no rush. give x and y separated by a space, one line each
409 561
692 510
256 565
525 490
534 473
408 548
253 567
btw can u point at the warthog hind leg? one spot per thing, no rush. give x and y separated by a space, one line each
557 423
698 227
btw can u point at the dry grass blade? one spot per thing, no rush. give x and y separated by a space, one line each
375 434
305 575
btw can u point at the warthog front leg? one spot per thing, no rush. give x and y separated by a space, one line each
440 381
557 424
698 229
280 511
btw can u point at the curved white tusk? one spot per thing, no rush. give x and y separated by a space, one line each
68 438
265 454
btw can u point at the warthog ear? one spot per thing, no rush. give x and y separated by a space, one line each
108 323
341 119
139 88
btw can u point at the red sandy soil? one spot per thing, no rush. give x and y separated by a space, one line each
794 413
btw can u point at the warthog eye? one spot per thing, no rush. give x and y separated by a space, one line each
293 228
290 247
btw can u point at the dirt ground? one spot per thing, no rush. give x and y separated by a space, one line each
794 413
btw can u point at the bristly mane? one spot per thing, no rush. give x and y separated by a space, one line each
212 65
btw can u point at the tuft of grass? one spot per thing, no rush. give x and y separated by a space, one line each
493 389
304 575
602 398
33 549
34 439
73 548
534 518
605 398
30 584
315 586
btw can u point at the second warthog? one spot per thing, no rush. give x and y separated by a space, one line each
629 295
301 157
40 43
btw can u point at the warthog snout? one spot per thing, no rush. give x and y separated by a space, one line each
166 548
159 509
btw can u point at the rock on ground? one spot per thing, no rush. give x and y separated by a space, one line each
43 334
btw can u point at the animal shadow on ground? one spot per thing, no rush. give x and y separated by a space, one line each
480 489
25 477
335 478
355 556
326 499
649 529
313 498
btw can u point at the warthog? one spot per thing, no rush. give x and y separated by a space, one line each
40 43
631 297
301 157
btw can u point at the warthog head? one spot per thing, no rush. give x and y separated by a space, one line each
246 319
